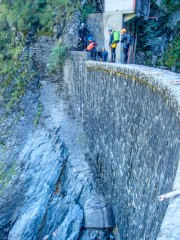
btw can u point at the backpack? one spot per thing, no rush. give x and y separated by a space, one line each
114 45
90 46
116 37
129 39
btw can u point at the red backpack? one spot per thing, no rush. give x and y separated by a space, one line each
90 46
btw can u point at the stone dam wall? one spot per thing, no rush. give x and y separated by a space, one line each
130 115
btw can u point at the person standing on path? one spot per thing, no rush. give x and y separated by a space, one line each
104 55
92 48
126 39
113 50
83 34
114 39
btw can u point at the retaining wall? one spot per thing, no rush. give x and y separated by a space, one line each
130 114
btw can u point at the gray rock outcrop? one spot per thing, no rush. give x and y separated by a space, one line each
56 190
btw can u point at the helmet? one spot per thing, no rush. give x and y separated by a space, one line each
82 25
110 29
89 38
123 30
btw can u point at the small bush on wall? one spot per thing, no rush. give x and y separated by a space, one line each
172 54
87 8
58 57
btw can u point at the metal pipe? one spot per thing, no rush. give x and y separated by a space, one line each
134 42
168 195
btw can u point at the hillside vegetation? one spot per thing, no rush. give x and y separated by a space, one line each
159 38
20 20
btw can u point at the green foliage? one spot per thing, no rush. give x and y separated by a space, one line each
23 14
17 18
160 37
171 5
159 62
172 55
2 149
148 54
88 8
148 61
10 49
17 93
38 114
58 57
14 85
148 35
7 171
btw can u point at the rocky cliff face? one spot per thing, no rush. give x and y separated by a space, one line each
48 187
158 38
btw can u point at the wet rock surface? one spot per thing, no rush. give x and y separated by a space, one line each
55 179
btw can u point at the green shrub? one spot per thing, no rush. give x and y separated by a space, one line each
58 57
172 55
38 114
17 17
88 8
15 83
22 14
7 171
171 5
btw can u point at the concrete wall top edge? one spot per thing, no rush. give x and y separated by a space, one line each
124 11
113 5
165 81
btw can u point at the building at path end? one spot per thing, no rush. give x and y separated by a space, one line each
118 14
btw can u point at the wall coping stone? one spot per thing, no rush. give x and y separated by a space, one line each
165 81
